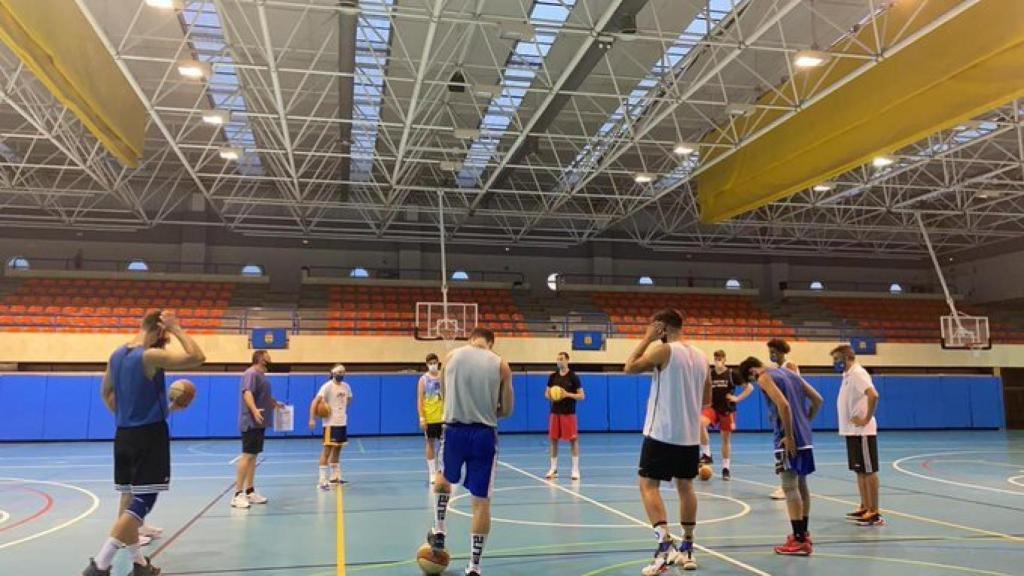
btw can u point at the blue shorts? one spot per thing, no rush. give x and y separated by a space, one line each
802 464
474 446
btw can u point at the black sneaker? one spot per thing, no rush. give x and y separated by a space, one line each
147 570
92 570
436 540
706 459
725 474
472 572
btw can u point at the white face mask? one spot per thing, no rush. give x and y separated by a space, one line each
720 364
561 365
433 367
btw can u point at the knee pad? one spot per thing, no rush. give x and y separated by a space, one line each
141 506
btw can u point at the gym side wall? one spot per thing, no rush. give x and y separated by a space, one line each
68 407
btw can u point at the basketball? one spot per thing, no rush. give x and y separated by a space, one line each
181 393
323 410
432 562
705 472
556 393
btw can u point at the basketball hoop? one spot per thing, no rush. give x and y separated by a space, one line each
966 333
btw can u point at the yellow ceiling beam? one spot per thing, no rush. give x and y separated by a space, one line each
57 43
968 65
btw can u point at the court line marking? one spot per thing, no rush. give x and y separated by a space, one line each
899 468
4 516
950 567
1016 480
92 508
235 459
633 519
47 499
744 508
167 543
892 512
340 530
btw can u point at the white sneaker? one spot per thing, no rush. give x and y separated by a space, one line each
552 474
151 531
240 501
682 559
257 498
323 485
144 540
779 494
575 475
660 565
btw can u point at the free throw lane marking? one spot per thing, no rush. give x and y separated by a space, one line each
898 466
633 519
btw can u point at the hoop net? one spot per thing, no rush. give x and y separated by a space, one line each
966 332
449 322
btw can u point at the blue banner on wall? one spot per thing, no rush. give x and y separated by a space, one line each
863 345
588 341
269 338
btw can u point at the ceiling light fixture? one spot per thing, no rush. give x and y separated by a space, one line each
230 153
166 4
810 58
643 177
739 109
882 161
194 69
684 148
823 187
217 117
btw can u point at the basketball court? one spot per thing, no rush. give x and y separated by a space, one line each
310 204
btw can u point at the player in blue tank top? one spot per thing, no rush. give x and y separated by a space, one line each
134 390
793 404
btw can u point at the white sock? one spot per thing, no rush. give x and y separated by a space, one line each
705 449
105 557
137 556
476 546
432 467
336 470
323 473
661 533
441 512
575 463
725 462
554 463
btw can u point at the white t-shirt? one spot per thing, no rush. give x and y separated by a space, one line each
336 395
853 401
677 397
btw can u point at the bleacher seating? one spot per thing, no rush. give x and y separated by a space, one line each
381 310
906 320
714 316
107 305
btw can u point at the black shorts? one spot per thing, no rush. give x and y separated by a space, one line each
434 431
335 435
662 461
252 440
142 459
862 454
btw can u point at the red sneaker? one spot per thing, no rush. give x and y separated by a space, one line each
794 547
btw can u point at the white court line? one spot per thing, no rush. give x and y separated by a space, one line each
235 460
82 516
4 516
892 512
899 468
633 519
744 508
1016 480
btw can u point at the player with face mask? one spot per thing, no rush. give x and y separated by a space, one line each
430 405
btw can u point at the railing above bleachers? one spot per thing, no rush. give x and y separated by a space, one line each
618 282
410 274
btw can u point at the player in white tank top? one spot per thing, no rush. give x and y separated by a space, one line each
680 389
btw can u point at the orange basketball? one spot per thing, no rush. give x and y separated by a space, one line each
181 393
705 472
323 410
432 562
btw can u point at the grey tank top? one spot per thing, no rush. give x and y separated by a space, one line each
472 381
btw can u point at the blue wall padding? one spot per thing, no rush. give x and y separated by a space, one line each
624 405
68 406
24 401
398 413
364 416
194 422
593 412
66 410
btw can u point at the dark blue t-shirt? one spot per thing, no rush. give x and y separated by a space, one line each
792 387
255 380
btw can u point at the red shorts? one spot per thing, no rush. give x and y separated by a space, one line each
563 427
724 421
